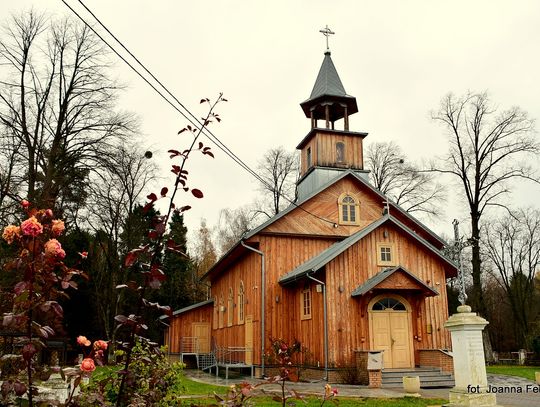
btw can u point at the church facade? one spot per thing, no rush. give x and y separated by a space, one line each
343 270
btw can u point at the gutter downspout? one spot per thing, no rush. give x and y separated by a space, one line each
262 300
325 317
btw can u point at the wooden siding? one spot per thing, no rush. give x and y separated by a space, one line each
342 276
303 156
356 265
325 205
297 237
181 325
326 147
323 151
283 318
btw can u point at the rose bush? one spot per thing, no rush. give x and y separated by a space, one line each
36 315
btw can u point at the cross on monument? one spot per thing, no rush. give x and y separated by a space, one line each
327 32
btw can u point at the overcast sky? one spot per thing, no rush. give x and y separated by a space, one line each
398 58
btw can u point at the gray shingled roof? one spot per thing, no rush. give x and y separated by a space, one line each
383 275
328 82
323 258
188 308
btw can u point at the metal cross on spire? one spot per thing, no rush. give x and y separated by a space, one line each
327 32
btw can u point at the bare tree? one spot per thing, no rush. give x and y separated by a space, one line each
414 190
115 194
203 249
233 224
279 169
488 148
57 104
512 245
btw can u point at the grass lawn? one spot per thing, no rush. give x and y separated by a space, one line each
192 387
511 370
343 401
186 387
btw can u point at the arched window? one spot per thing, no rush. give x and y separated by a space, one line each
216 312
348 210
340 152
230 307
241 303
221 311
305 303
388 304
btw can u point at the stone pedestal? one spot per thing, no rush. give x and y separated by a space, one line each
469 364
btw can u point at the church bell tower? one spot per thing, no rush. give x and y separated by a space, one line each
327 151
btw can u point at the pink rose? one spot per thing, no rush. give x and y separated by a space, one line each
100 345
87 365
83 341
10 233
31 227
57 227
53 248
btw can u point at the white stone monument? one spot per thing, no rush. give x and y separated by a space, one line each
469 364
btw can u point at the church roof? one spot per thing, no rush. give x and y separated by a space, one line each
345 173
323 258
378 278
328 82
328 91
237 250
189 308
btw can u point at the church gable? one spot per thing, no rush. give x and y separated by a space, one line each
326 204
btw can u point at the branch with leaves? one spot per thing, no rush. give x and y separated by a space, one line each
147 259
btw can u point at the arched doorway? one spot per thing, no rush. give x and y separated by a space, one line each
390 330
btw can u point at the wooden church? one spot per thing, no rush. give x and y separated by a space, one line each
343 270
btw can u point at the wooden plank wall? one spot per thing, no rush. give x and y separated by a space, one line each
355 266
282 255
303 156
325 205
326 147
181 325
299 236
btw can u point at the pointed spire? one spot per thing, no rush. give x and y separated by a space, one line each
328 100
328 82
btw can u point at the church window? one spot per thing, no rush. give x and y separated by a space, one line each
221 311
230 306
305 303
385 255
388 304
308 157
348 210
340 152
241 303
216 312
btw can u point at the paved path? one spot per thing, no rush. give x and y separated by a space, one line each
523 399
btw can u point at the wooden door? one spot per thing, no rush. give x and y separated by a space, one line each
249 339
201 330
390 331
400 337
382 337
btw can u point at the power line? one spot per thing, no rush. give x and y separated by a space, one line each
192 119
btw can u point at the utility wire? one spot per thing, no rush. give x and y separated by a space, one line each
192 119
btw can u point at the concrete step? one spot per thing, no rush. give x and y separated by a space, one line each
429 377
